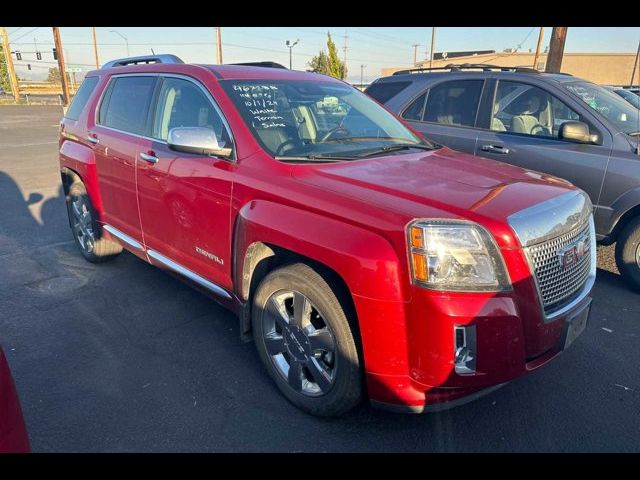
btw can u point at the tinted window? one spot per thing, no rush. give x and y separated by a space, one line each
385 91
454 103
127 104
181 103
414 111
81 98
523 108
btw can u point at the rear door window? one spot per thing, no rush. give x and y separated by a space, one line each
81 98
454 103
385 91
126 104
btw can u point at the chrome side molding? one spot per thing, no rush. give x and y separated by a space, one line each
124 237
167 262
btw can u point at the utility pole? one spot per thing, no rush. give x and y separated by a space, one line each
13 79
95 47
61 66
415 53
218 45
433 41
535 59
556 49
345 54
362 75
635 66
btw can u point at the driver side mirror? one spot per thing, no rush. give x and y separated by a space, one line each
198 140
577 132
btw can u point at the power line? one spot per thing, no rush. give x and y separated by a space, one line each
25 34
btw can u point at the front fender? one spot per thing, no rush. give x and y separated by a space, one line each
623 204
365 261
81 160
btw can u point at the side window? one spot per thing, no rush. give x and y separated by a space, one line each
126 104
81 98
414 111
454 103
182 103
526 109
385 91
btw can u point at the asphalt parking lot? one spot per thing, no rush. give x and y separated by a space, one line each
123 357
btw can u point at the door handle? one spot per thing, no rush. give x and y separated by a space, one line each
93 139
495 149
149 157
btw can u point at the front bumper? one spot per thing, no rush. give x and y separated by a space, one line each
430 381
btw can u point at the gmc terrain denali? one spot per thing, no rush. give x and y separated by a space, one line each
358 255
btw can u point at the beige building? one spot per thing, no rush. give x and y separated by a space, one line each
601 68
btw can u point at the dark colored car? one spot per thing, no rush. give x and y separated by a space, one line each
13 433
553 123
628 95
363 260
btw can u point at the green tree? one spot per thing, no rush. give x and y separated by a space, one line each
5 83
54 75
329 63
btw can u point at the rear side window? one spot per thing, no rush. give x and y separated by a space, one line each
126 104
414 111
81 98
454 103
385 91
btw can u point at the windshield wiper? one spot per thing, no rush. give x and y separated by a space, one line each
391 148
634 134
315 158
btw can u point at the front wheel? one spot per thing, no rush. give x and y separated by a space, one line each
305 341
628 254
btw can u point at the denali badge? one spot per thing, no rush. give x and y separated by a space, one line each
573 253
209 255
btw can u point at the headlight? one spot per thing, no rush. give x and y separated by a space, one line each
455 255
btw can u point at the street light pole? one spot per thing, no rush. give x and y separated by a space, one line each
433 41
362 75
290 46
126 41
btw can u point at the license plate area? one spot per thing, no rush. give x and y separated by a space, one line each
576 325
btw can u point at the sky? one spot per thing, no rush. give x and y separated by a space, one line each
373 47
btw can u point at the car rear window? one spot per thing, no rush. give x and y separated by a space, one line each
126 104
385 91
81 98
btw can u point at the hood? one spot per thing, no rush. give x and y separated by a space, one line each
463 185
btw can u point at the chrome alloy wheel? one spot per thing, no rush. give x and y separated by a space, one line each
299 342
82 223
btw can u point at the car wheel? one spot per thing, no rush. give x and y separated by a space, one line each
85 229
628 254
305 341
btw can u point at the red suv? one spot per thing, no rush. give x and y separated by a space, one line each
358 255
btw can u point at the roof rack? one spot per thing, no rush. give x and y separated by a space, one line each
457 67
146 59
260 64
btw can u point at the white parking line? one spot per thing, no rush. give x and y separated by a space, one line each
15 145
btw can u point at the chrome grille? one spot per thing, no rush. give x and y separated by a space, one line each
558 285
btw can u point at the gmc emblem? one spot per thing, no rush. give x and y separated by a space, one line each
573 253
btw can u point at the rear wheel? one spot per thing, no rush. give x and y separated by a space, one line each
85 229
628 254
305 341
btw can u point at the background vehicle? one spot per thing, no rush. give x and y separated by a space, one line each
13 433
553 123
628 95
350 248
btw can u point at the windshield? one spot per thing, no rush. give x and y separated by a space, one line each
318 120
617 110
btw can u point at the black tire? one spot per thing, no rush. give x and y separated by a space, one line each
627 251
100 249
346 388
